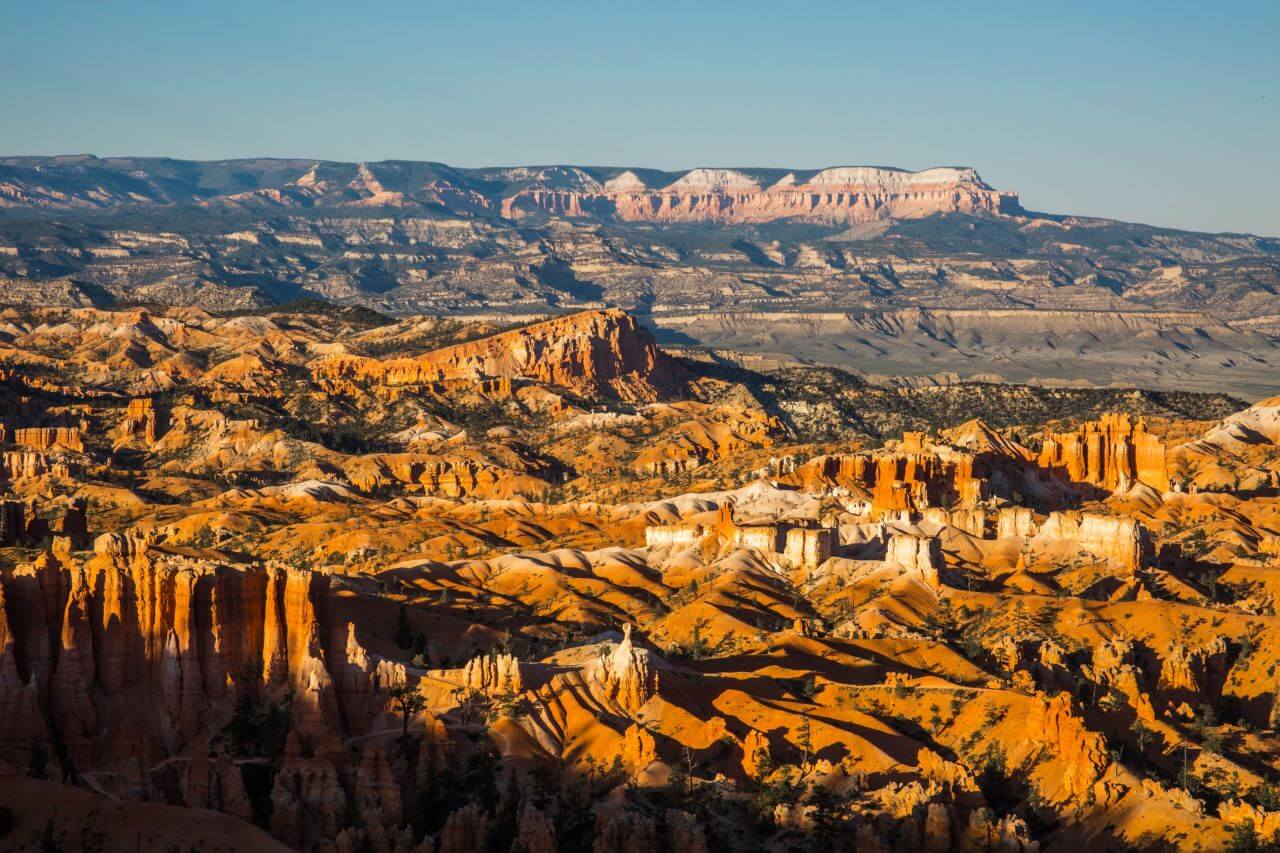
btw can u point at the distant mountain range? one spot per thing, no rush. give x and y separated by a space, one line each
842 194
907 276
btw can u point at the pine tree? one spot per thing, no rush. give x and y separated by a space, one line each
804 739
408 701
1244 838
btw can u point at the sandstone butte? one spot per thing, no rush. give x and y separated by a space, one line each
293 582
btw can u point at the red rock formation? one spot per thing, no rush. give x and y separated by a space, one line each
1236 812
808 548
465 831
134 656
50 438
621 830
13 522
1112 453
593 353
910 478
535 833
26 464
756 754
308 802
215 783
627 676
971 521
141 420
21 721
493 675
837 195
377 793
638 748
446 476
1122 540
1192 675
919 556
1014 522
985 832
684 833
1082 753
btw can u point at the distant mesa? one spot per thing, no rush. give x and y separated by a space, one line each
837 195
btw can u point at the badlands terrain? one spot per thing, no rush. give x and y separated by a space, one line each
906 278
315 577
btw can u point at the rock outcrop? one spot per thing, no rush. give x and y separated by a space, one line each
493 675
1112 453
626 676
446 476
1124 541
916 556
50 438
137 627
913 476
593 353
1081 753
28 523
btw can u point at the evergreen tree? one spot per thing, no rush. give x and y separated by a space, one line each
408 701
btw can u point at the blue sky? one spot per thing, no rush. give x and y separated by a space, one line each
1156 112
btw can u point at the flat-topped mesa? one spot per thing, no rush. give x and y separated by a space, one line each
1114 452
843 194
591 353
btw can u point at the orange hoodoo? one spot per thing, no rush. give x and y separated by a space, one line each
1110 452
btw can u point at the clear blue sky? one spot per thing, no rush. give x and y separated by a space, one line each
1163 112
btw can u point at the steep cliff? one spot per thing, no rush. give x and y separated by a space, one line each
592 353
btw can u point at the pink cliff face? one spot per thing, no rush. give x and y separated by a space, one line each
838 195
